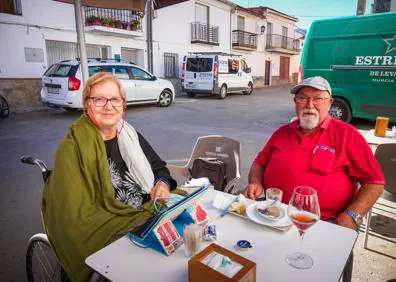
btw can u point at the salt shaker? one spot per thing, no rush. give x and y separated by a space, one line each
394 132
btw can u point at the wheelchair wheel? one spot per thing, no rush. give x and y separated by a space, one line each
41 261
4 108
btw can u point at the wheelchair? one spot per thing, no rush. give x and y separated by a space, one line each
42 263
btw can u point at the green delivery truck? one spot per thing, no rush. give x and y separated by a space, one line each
357 55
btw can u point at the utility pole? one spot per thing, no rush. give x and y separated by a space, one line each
361 7
150 35
81 40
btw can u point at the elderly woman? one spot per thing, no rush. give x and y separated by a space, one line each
104 178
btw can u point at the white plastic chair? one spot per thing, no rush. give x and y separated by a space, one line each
386 157
215 146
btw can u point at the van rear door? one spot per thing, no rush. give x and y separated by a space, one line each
199 73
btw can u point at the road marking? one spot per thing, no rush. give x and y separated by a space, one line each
177 161
185 100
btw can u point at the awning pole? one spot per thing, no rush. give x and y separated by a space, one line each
150 36
81 39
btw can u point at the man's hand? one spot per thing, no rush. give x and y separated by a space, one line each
253 190
160 190
345 220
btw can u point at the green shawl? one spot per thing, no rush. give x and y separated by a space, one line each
80 212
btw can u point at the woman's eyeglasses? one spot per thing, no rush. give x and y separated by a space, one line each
102 101
305 99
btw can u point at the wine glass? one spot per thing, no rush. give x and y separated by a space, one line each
303 211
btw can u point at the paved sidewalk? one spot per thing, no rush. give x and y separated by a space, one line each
378 262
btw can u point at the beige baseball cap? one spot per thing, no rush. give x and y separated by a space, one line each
317 82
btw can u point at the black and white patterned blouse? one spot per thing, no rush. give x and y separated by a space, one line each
127 191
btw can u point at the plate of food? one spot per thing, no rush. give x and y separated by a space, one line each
272 212
282 222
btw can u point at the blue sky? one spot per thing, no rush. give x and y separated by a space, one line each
308 10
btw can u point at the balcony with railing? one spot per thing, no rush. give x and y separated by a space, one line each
124 23
205 34
282 44
244 40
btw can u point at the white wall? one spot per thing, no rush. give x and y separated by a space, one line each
12 55
44 13
16 34
49 20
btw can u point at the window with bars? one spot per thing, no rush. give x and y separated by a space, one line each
171 65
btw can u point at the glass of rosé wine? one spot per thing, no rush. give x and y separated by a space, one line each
303 211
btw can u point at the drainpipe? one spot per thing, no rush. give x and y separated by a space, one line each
150 35
231 30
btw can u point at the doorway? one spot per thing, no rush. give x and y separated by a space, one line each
284 68
267 72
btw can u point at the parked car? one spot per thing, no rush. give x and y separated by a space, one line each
62 84
357 55
4 108
216 73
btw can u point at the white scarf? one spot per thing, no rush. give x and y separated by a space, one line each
133 156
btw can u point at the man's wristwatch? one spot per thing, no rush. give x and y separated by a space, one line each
357 218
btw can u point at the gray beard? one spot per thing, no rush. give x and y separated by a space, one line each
309 121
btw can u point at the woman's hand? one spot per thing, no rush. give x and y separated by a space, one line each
160 190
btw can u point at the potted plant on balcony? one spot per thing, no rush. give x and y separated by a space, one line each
135 25
106 21
103 21
93 20
111 22
118 24
125 25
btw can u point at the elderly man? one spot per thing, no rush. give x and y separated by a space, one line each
324 153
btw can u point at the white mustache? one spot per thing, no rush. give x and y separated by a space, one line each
310 111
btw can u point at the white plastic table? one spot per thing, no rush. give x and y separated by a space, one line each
372 139
328 244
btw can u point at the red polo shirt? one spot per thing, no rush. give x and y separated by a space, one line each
331 160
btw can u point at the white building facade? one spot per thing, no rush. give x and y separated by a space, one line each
188 26
38 33
265 37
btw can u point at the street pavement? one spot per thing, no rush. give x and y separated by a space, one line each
172 132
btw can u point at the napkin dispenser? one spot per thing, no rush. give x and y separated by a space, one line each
200 270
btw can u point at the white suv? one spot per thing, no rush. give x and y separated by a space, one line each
62 84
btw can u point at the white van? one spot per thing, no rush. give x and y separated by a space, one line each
216 73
